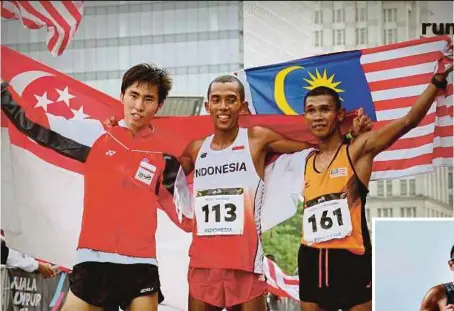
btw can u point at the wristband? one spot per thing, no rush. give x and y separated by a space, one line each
439 84
349 136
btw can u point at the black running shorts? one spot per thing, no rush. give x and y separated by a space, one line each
334 278
105 284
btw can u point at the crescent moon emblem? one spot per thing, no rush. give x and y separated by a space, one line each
22 80
279 94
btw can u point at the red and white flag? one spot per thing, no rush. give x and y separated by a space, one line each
279 283
61 18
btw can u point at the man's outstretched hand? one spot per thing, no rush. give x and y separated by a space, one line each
361 123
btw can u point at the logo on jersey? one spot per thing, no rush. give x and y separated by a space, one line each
145 172
220 169
338 172
110 153
237 148
203 155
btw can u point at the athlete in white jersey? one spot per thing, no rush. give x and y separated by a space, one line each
228 170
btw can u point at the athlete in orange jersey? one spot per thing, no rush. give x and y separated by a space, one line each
226 255
335 256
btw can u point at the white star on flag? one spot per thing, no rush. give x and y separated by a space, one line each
79 114
43 101
64 96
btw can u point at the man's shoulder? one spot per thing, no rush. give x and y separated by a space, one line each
434 295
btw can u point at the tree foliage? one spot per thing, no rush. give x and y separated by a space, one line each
283 242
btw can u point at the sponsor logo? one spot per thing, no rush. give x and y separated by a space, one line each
203 155
110 153
220 169
338 172
237 148
146 290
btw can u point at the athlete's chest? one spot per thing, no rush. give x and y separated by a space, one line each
235 163
129 164
332 180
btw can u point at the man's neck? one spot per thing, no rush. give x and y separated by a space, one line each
331 144
223 139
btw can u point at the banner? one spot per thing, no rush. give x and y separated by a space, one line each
25 291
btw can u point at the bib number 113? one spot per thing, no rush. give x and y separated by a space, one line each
229 216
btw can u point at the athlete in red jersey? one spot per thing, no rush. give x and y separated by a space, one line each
226 255
126 180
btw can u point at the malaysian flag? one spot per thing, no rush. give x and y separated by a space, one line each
62 18
385 81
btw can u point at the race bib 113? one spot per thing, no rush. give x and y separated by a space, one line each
220 211
327 221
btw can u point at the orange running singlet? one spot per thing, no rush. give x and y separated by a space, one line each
334 206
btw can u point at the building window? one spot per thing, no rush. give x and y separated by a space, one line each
412 187
403 187
339 16
380 190
361 36
389 36
389 188
379 212
360 15
389 15
451 199
450 180
318 18
408 212
318 37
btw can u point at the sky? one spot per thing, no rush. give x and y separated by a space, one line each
410 257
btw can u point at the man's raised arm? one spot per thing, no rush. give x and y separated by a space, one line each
379 140
43 136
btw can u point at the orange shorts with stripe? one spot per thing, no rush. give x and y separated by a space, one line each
225 287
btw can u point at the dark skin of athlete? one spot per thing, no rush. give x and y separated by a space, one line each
435 298
324 120
225 107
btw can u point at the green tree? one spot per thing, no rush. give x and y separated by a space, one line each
283 242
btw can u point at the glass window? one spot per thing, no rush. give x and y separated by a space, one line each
79 62
412 187
112 58
362 16
123 57
169 21
450 180
363 36
403 187
389 188
380 188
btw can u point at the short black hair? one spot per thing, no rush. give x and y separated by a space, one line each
452 253
148 73
323 90
226 79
